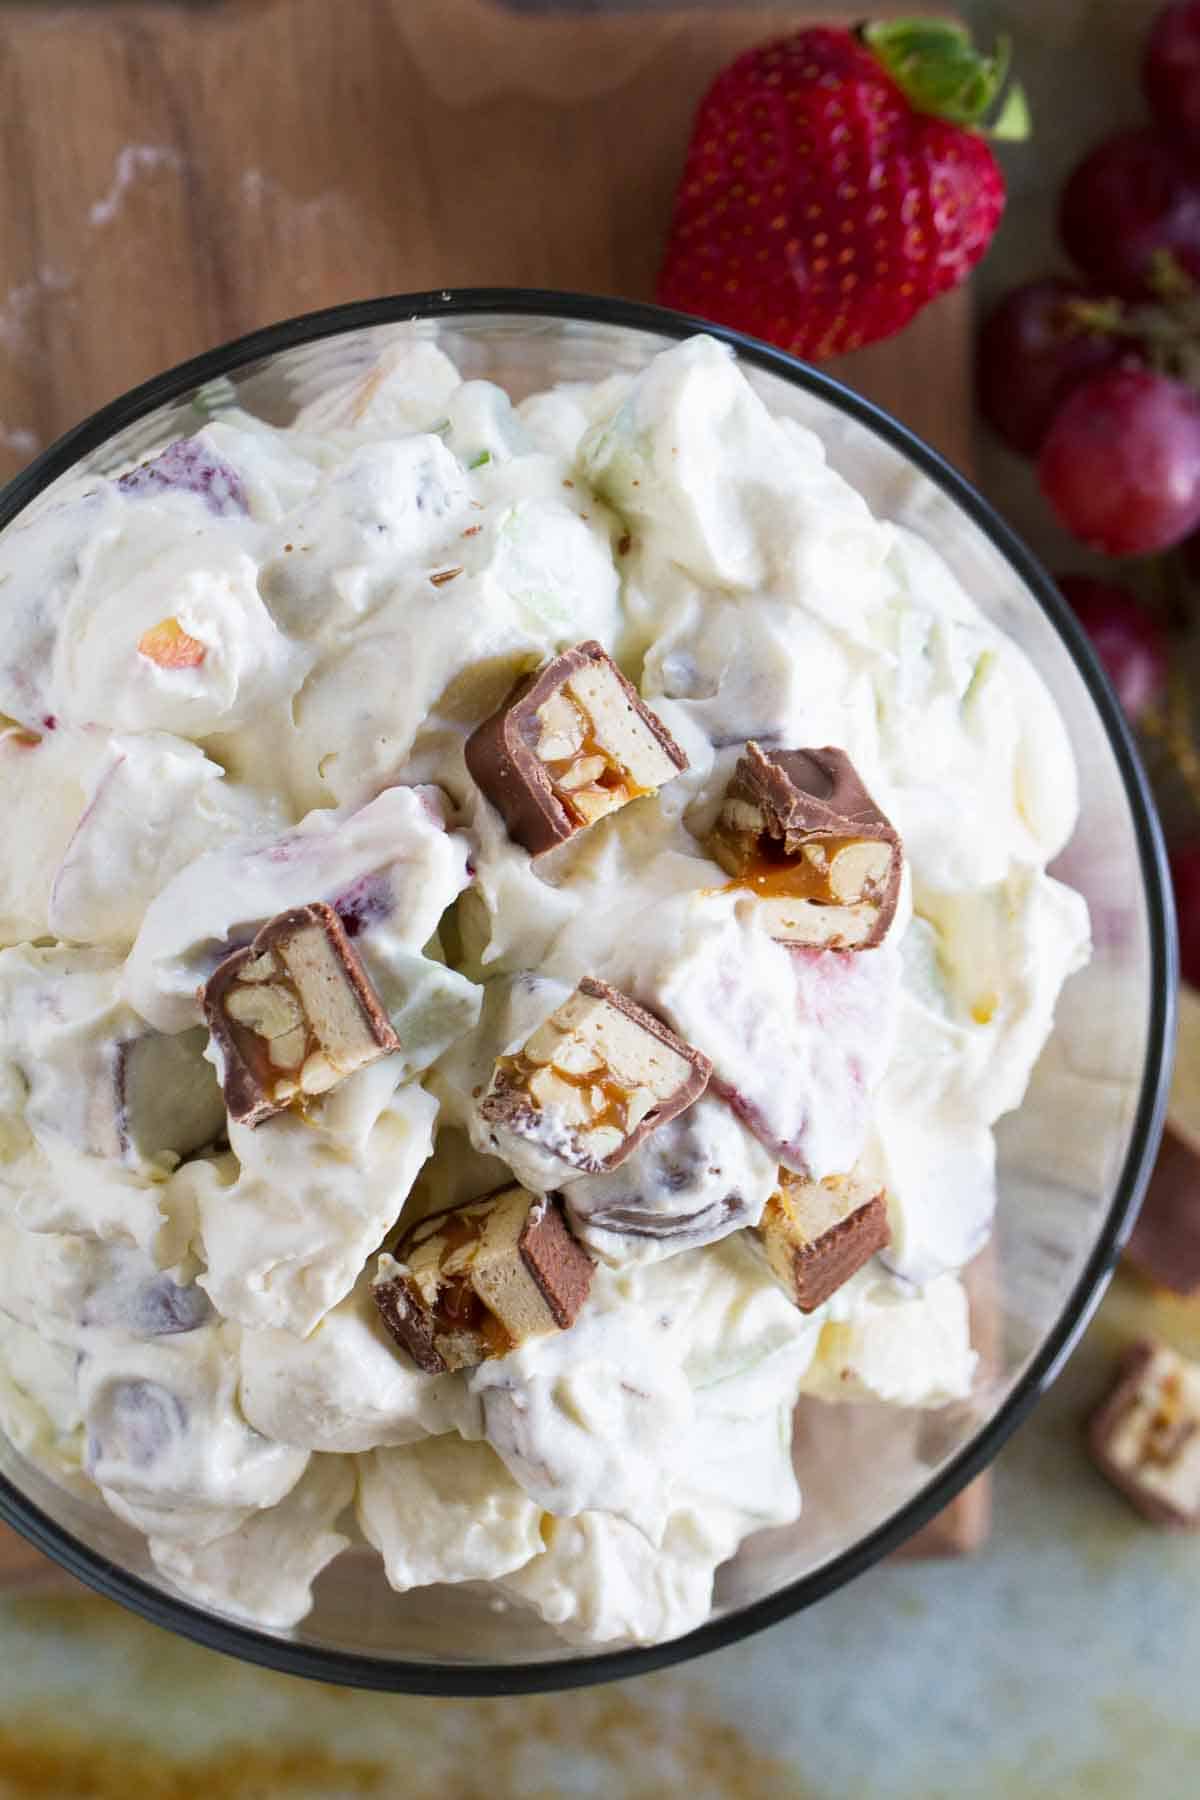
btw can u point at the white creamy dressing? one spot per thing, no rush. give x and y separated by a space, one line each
185 1322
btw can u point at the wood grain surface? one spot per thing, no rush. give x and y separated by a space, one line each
20 1563
171 177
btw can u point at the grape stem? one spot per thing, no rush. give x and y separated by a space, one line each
1166 331
1170 592
1170 728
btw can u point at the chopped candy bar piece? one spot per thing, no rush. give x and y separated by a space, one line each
1146 1436
478 1279
799 830
294 1013
592 1081
1165 1245
571 742
698 1177
818 1233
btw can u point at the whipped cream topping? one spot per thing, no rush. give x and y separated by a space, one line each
239 679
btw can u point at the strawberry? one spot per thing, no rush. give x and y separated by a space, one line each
834 183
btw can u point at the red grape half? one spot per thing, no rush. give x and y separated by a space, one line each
1120 464
1171 75
1130 197
1032 352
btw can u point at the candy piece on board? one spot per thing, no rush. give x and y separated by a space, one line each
1146 1435
1165 1244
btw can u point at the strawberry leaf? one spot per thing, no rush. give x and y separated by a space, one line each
939 71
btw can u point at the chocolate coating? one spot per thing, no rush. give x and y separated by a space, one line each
559 1269
781 802
1165 1244
509 1105
813 1264
1160 1445
250 1078
502 761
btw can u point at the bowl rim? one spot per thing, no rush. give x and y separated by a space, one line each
356 1669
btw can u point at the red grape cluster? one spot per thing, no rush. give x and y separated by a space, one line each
1096 377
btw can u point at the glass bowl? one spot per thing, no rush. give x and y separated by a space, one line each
1072 1161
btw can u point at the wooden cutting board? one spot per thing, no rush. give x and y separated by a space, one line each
172 176
20 1562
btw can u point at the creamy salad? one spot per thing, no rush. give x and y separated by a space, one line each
280 950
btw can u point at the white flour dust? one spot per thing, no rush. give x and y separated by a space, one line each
260 190
24 309
22 304
132 162
18 439
295 224
32 312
